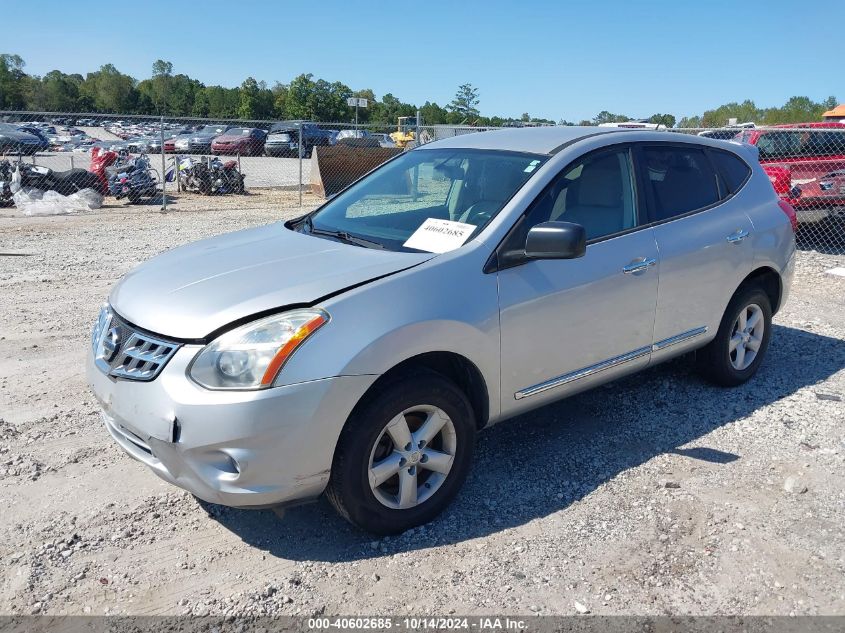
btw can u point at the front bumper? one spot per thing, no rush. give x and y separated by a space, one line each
236 448
199 148
281 149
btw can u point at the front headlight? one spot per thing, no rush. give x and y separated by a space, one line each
100 327
251 356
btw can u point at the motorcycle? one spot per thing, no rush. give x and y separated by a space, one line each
36 177
206 177
132 178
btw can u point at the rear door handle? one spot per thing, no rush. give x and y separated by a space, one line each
736 238
639 265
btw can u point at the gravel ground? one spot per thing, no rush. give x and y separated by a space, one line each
656 494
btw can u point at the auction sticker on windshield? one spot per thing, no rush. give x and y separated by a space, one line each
439 236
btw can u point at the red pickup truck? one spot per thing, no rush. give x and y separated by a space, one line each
802 161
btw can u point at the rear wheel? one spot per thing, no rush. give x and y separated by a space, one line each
735 354
403 456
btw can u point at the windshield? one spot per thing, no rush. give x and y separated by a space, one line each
212 129
458 190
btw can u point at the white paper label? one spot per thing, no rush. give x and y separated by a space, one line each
439 236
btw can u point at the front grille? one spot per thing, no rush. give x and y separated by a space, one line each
125 352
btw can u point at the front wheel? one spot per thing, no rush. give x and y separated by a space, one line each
735 354
403 456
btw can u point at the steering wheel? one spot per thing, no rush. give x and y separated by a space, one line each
480 212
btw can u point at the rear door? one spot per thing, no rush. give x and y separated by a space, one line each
702 235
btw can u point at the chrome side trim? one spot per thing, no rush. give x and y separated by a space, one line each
678 338
582 373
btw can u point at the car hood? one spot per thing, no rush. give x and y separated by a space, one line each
193 291
204 136
227 138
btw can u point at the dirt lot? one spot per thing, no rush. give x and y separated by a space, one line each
657 494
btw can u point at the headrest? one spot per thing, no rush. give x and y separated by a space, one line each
600 183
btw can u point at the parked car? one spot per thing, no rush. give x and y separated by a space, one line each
248 141
140 144
38 133
283 139
13 141
357 138
200 141
357 350
795 157
722 134
384 140
179 143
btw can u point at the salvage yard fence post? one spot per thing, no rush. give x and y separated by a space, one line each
163 171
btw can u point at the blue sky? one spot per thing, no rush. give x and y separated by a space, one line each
552 59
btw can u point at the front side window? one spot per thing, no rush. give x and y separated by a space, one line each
680 180
596 192
466 186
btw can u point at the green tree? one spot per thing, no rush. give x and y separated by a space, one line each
161 80
60 92
110 90
743 112
608 117
248 99
200 106
690 122
11 82
464 106
433 114
280 95
663 119
296 103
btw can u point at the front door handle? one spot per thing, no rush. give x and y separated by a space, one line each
639 265
737 237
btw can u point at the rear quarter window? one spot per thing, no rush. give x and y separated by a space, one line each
733 170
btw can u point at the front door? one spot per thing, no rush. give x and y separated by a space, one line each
569 324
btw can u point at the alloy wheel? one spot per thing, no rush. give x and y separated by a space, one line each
746 337
412 457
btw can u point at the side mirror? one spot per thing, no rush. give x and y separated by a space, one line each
556 240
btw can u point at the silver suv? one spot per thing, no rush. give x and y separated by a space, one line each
357 350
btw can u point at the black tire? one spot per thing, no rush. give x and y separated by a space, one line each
714 360
349 488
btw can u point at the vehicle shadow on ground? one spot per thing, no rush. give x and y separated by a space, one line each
543 461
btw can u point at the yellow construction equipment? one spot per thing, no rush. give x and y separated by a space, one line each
406 131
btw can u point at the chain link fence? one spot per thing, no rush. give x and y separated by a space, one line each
302 162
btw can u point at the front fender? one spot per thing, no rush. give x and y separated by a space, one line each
446 304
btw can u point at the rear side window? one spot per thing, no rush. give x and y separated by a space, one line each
680 180
734 170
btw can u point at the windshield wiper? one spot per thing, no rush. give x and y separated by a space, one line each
341 235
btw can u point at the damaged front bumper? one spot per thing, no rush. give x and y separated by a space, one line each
236 448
